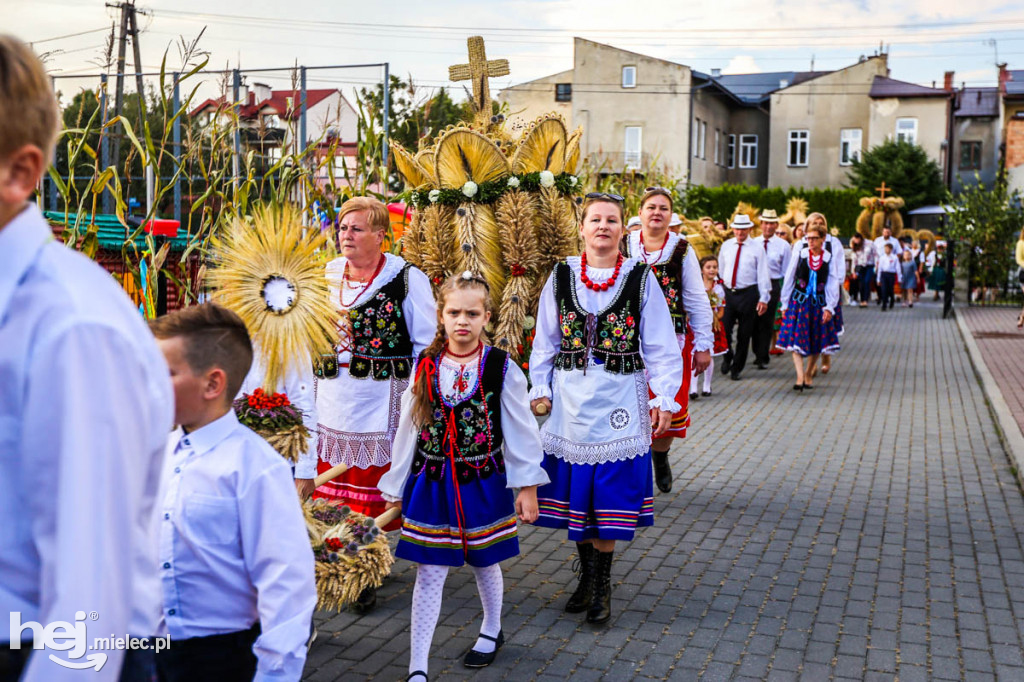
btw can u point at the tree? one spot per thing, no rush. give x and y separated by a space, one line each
987 221
411 121
905 168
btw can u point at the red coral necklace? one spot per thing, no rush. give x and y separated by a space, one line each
603 286
359 292
815 261
659 250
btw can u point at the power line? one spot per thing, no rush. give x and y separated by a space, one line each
70 35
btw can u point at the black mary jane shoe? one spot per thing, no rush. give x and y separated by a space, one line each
478 659
418 673
705 394
808 387
798 387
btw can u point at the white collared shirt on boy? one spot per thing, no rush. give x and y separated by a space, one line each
778 253
888 262
85 407
234 549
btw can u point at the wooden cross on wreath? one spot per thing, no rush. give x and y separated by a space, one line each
883 189
478 70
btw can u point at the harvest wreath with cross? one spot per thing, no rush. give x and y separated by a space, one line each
486 202
880 212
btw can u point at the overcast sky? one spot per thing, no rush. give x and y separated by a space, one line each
926 37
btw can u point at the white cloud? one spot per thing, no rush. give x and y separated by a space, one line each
742 63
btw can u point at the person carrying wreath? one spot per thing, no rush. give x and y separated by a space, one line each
604 333
675 266
386 317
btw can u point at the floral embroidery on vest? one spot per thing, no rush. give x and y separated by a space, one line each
381 343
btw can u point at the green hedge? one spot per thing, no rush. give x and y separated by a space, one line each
840 206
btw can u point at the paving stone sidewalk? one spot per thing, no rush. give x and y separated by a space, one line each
1002 348
868 530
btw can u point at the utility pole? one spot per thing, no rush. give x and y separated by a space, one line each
129 28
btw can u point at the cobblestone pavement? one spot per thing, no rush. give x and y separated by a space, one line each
870 529
1002 345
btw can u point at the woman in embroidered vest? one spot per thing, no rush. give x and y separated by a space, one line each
809 298
602 323
465 439
386 317
677 270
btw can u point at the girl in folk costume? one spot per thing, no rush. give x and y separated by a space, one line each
810 295
386 317
716 297
465 438
602 323
677 271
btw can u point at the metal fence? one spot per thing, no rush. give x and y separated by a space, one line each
254 98
993 278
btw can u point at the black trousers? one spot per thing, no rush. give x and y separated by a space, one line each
138 665
224 658
740 313
764 325
888 289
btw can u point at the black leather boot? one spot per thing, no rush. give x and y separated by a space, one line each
584 594
601 607
662 471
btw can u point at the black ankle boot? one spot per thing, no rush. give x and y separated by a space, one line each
601 607
583 596
662 471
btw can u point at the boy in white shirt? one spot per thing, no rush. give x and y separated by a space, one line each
235 560
888 269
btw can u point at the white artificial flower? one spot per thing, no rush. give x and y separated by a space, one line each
470 189
572 181
434 195
547 178
513 182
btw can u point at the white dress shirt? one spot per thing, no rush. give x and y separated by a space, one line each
753 269
521 447
778 253
832 284
85 407
362 414
298 385
887 262
233 545
695 299
880 243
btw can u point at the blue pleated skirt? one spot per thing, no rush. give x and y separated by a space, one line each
607 501
431 527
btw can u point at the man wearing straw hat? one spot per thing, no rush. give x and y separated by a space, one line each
743 267
777 252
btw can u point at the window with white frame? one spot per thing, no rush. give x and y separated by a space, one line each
730 152
748 151
906 130
718 147
849 146
703 139
695 136
633 147
799 147
629 76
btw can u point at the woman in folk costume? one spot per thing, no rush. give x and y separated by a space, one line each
465 439
838 256
810 295
386 317
677 270
602 323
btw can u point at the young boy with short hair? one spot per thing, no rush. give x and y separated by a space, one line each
85 407
235 560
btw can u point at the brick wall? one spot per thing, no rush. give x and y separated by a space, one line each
1014 143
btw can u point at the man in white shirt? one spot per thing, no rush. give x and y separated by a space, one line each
777 252
887 238
743 267
85 407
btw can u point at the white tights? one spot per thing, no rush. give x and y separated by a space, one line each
426 607
708 373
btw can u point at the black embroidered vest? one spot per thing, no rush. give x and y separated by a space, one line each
670 277
477 419
381 343
612 336
802 278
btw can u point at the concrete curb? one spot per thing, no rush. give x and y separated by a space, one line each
1008 428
